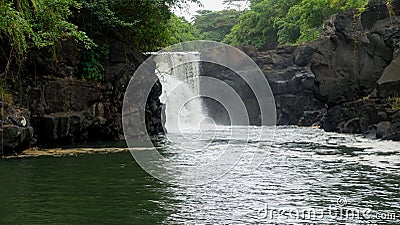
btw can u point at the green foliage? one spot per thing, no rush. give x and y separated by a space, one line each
14 27
180 30
142 23
304 21
249 30
269 22
214 26
355 4
43 24
92 63
25 24
102 10
258 25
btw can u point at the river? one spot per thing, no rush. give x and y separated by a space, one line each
308 177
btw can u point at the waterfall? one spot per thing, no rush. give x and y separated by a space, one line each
179 75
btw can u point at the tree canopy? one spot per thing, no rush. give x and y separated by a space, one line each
181 30
26 24
216 25
269 22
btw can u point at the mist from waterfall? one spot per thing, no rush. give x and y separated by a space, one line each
179 74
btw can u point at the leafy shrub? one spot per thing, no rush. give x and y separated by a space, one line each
180 30
214 26
92 63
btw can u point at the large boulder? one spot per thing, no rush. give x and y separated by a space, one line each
16 132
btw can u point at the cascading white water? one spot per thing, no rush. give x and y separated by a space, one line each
179 75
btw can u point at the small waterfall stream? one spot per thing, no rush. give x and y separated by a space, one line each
179 75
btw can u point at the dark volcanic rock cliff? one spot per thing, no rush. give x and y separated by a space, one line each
61 109
294 86
360 50
347 81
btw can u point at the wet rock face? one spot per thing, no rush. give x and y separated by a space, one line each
294 86
350 62
355 55
16 132
375 118
68 111
125 60
64 110
239 85
54 95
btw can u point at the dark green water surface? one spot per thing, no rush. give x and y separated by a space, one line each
87 189
304 169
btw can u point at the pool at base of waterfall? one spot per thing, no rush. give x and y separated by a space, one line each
307 177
